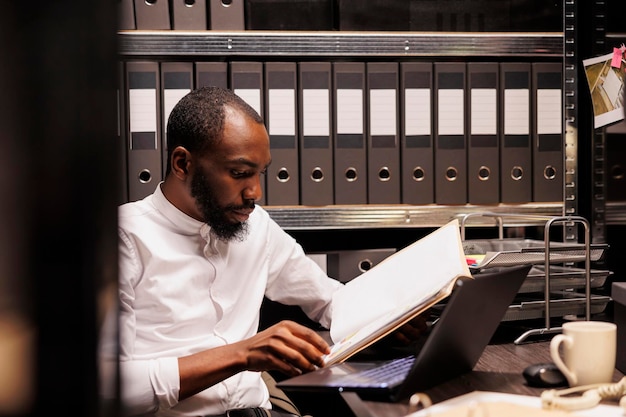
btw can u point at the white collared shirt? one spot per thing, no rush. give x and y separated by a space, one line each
180 295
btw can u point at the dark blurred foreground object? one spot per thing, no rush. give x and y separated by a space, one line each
58 180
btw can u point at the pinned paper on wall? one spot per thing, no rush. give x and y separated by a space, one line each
605 76
618 55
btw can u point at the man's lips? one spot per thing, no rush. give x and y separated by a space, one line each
242 214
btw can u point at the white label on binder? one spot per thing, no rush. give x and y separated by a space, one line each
484 111
141 105
549 119
282 112
350 111
516 112
450 112
417 111
315 112
252 96
171 97
383 112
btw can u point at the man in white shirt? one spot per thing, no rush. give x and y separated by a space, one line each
196 258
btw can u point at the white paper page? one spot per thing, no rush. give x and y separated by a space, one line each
400 281
366 335
474 400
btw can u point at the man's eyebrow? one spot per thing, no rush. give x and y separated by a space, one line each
249 163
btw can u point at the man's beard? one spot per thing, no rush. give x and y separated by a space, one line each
214 215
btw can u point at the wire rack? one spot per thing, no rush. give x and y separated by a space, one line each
505 252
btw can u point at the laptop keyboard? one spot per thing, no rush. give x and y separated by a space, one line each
387 374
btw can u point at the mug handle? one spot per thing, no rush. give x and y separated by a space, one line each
556 357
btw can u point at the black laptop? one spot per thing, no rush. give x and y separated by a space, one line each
452 347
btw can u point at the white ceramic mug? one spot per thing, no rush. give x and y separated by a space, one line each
588 352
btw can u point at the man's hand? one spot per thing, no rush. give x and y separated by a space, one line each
410 331
287 347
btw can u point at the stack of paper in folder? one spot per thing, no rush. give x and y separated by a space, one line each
396 290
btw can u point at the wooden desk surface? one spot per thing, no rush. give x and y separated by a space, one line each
499 369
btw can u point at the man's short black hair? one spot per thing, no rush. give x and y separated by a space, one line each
197 120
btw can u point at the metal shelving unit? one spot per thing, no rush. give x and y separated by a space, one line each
229 45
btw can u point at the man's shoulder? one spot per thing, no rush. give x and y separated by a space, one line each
260 216
134 209
260 212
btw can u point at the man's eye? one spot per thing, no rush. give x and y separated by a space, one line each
240 174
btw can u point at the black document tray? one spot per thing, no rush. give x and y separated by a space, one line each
511 252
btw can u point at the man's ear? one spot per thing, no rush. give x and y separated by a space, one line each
181 158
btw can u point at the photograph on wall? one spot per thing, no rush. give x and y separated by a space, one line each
605 76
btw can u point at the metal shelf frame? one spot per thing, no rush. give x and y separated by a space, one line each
140 43
570 113
401 216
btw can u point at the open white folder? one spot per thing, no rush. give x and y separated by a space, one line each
396 290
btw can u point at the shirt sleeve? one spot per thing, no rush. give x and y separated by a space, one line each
147 384
295 279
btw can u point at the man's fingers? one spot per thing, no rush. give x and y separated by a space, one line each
289 348
310 336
